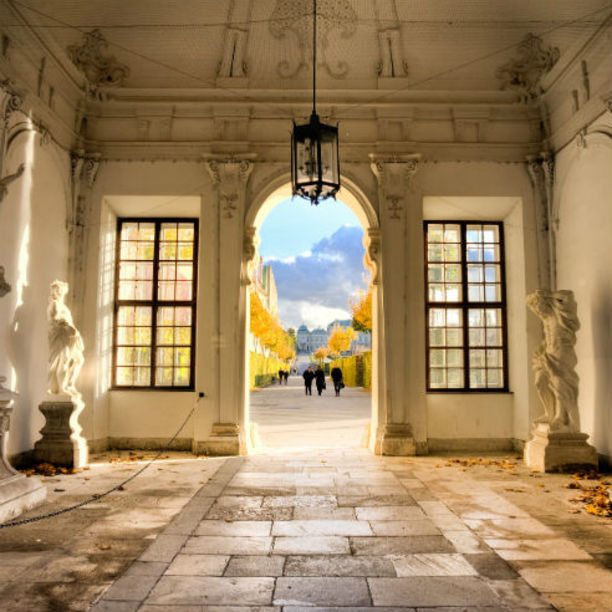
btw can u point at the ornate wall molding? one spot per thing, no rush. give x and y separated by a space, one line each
394 176
295 16
524 73
371 256
100 70
229 177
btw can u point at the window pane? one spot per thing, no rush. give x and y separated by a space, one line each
169 231
452 252
455 358
163 377
435 273
453 293
455 378
490 233
475 293
434 252
477 337
436 337
437 317
437 357
478 378
477 359
186 232
181 376
436 293
452 233
435 233
437 378
454 337
475 273
453 317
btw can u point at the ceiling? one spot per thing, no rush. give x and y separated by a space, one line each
442 44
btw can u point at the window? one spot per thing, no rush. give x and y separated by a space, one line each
466 315
155 303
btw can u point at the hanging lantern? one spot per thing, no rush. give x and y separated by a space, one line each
315 163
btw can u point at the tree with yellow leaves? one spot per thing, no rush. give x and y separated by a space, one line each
321 353
340 339
268 330
362 311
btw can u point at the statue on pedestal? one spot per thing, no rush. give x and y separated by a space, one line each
555 359
65 343
557 442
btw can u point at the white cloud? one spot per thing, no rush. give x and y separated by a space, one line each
298 312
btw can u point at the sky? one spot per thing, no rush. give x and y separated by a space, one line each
316 254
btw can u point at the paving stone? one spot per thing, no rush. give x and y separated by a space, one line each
212 591
404 528
465 542
431 591
509 527
517 594
228 545
381 545
264 491
585 602
352 609
131 588
197 565
311 545
375 500
325 513
491 566
340 565
300 501
235 528
549 549
198 608
144 568
255 566
436 508
566 576
105 605
322 591
232 513
164 548
389 513
449 523
432 564
304 528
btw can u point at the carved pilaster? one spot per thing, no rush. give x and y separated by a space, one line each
10 102
84 169
541 170
394 177
229 177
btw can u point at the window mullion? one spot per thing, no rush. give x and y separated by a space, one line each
154 305
464 308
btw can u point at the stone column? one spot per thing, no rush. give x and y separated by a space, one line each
230 176
402 398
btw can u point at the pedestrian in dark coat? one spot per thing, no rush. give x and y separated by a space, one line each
308 375
320 379
336 376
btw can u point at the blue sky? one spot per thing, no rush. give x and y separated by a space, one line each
316 254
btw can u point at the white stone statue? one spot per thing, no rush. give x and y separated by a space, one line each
65 344
555 359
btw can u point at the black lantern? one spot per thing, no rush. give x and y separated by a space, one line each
315 163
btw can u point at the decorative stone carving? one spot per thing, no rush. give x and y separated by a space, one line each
233 64
99 70
371 256
249 250
391 64
229 176
523 73
394 177
295 16
65 344
4 285
8 179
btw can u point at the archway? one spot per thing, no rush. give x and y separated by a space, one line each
353 197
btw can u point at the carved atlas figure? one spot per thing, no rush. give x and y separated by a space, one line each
65 343
555 360
8 179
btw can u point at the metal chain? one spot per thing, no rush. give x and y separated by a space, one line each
98 496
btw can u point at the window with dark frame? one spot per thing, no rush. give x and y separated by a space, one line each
155 304
466 306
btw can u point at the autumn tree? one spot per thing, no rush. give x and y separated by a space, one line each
340 339
269 331
362 311
321 353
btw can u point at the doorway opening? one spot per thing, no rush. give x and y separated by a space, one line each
309 305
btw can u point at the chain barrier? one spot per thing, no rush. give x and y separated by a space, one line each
99 496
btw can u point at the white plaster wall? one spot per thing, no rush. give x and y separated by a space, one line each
33 249
470 415
584 265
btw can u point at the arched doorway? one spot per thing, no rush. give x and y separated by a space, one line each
354 198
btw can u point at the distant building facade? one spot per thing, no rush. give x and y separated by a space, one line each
265 285
309 341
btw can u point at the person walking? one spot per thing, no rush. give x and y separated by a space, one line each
286 373
308 375
336 376
320 379
280 377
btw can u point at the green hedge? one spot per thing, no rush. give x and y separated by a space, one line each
356 370
264 370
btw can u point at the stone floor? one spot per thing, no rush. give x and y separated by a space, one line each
312 529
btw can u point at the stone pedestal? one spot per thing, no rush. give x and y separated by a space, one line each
395 439
17 493
552 451
61 442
